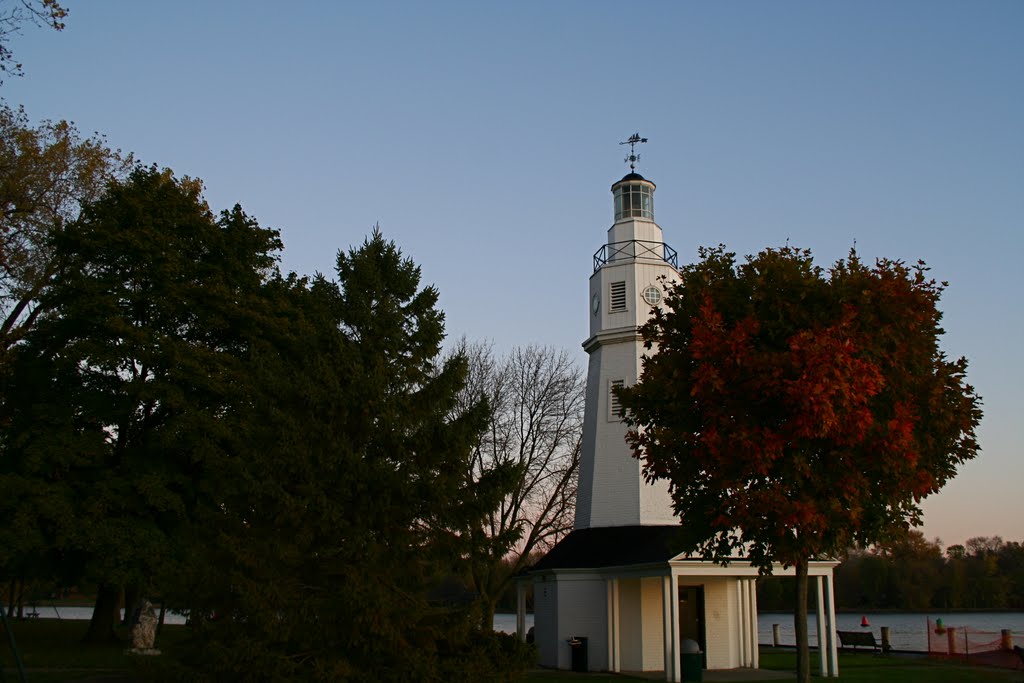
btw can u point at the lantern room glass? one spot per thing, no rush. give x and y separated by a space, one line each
634 200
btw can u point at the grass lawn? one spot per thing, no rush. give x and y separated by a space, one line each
861 668
53 651
853 668
555 676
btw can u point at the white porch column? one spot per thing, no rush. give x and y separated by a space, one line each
742 622
521 609
613 625
756 661
668 645
830 598
823 650
677 668
749 625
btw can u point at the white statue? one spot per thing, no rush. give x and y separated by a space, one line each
144 630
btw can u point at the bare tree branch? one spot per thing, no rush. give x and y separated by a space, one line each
16 13
536 395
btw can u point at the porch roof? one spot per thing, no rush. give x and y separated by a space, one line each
612 546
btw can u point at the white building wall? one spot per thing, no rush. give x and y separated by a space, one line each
631 642
654 624
576 604
612 491
545 621
583 611
641 625
721 623
588 466
609 489
637 275
634 228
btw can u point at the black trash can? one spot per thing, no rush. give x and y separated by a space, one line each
578 650
691 661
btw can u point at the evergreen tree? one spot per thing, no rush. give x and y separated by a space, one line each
342 507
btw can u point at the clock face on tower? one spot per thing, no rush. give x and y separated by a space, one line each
595 304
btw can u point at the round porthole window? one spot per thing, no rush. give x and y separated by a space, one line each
652 295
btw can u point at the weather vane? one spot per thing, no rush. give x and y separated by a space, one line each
633 157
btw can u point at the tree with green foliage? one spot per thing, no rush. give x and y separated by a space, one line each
342 510
1011 566
115 397
913 569
796 412
986 583
909 572
47 173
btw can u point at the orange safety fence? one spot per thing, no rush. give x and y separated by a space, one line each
994 648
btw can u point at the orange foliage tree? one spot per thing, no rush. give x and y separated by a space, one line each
796 411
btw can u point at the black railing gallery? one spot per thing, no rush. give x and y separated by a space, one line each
635 249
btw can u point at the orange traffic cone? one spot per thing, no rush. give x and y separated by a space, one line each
864 622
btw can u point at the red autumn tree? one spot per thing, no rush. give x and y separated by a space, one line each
796 411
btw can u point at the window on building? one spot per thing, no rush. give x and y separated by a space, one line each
652 295
617 298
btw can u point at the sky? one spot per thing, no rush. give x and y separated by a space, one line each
483 138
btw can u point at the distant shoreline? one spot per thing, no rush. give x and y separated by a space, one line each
932 610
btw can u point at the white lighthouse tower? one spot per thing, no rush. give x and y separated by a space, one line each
629 272
617 593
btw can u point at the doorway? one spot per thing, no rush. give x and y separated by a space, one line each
691 618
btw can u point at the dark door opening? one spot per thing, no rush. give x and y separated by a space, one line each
691 617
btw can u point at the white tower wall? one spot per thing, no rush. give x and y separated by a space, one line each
612 491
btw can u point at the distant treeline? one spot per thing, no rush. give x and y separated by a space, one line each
911 573
914 573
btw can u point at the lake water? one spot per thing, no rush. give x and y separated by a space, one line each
907 631
81 613
502 622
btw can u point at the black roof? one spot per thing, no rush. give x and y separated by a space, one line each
631 177
612 546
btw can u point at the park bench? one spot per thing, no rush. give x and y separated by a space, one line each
857 639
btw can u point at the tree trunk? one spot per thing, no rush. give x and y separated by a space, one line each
20 601
487 615
132 596
803 655
104 615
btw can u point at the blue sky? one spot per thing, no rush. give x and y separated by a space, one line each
482 137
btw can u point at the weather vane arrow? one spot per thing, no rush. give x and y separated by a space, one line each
633 157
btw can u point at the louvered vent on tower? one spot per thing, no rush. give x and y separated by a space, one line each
618 296
614 405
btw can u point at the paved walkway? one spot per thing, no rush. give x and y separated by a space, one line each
725 675
80 675
738 675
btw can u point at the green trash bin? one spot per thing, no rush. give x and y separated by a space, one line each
691 661
578 651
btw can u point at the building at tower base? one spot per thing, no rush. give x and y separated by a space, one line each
615 594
